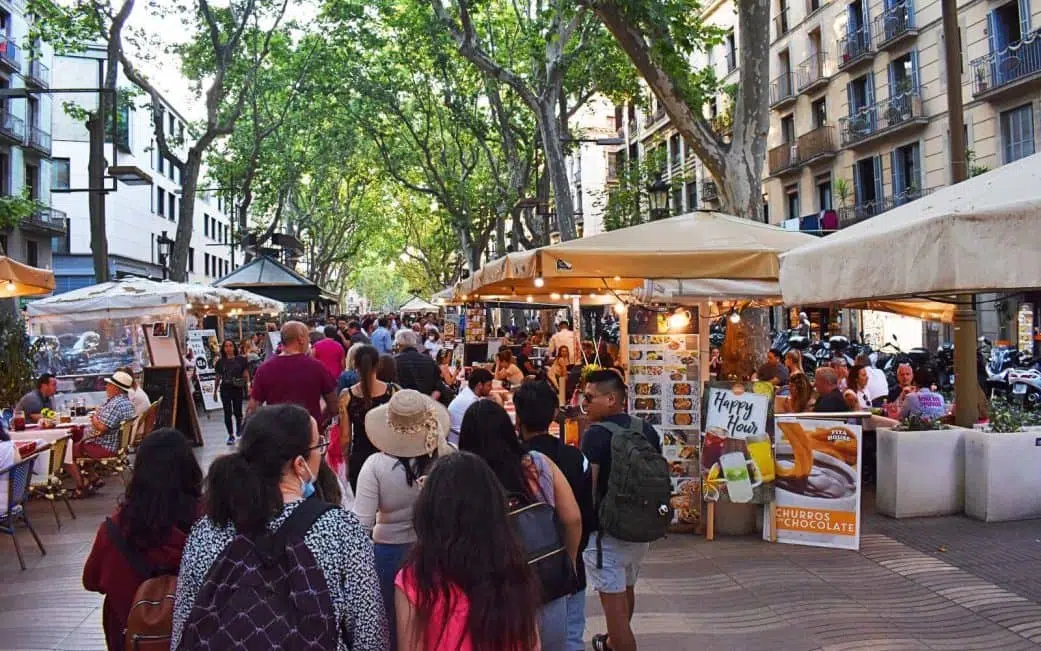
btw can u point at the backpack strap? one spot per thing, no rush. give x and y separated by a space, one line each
133 557
635 426
272 545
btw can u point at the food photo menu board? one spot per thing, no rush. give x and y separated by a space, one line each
664 382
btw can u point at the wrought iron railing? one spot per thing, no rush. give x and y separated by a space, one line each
39 139
862 211
811 70
783 157
854 45
11 125
894 22
806 147
781 89
880 117
781 23
658 114
709 191
1015 62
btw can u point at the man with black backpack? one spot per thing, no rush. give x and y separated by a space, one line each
536 404
631 492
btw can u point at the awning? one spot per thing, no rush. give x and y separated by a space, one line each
17 279
416 304
980 235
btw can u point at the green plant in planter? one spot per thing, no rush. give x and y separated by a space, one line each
1006 418
15 208
920 424
16 358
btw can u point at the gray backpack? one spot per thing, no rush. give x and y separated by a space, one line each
636 507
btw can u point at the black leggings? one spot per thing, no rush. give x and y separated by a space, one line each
231 400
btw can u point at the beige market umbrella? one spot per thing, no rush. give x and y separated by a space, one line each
17 279
701 244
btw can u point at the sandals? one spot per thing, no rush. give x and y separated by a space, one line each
83 492
600 643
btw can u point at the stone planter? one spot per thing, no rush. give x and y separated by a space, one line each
920 473
1003 475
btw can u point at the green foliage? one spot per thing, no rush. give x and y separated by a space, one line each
626 204
1007 418
16 356
842 190
920 424
975 169
15 208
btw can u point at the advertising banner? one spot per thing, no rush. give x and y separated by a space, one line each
205 347
664 379
817 495
737 463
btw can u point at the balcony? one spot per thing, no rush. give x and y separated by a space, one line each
659 113
885 118
10 54
39 140
895 25
1015 67
810 148
782 92
855 49
812 73
781 24
48 221
12 128
39 74
709 191
855 214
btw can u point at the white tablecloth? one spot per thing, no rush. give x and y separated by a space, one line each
43 461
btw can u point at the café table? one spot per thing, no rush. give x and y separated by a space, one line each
49 436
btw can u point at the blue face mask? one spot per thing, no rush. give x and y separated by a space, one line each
307 487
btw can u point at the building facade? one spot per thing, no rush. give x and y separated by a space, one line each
25 139
137 216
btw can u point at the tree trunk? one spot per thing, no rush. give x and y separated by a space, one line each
96 198
186 217
556 169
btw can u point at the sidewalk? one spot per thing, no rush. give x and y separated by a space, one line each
899 592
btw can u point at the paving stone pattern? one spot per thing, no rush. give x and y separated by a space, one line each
898 593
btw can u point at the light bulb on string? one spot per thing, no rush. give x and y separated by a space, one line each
539 281
735 316
619 308
530 299
10 286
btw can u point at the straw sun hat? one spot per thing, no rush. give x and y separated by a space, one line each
409 425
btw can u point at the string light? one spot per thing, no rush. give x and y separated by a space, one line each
530 299
10 286
679 319
735 316
555 296
539 281
619 308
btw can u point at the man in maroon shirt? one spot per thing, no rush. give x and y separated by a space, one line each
294 377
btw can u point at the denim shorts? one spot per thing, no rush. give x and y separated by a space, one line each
621 563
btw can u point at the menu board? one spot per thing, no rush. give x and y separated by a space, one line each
205 348
665 384
475 331
818 484
737 462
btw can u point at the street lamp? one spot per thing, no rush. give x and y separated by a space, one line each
658 197
164 245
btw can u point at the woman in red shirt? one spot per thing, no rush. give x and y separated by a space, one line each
162 502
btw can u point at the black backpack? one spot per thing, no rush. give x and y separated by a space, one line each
266 592
636 507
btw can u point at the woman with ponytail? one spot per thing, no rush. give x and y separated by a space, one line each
253 491
357 401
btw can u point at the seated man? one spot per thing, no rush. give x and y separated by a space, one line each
924 402
101 439
39 398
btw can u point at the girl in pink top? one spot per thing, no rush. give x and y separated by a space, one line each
466 585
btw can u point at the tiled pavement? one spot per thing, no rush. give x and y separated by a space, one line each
943 583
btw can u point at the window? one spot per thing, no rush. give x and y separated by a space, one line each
791 195
191 259
170 168
677 200
32 112
823 183
3 244
172 214
159 158
160 201
1017 133
867 186
713 108
730 42
32 181
180 131
906 168
32 253
820 113
788 129
675 150
206 260
60 174
692 195
782 18
903 74
5 173
170 123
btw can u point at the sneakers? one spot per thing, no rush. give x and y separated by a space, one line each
231 440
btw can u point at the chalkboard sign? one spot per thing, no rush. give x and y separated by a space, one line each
177 408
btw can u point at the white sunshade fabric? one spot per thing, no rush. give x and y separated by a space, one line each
980 235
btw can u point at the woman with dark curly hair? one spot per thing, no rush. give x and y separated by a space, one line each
466 583
161 503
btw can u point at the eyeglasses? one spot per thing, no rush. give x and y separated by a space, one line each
323 444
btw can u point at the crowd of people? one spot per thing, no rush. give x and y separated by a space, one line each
355 511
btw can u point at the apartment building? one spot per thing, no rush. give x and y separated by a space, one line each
25 139
137 215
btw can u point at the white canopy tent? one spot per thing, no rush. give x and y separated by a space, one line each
417 305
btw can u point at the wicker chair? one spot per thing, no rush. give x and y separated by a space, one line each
145 423
19 476
53 489
94 469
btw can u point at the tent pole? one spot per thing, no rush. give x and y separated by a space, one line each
966 391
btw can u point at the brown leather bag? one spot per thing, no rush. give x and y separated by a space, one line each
150 621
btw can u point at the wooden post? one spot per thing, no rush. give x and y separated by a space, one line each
710 521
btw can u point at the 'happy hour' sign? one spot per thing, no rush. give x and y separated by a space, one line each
742 414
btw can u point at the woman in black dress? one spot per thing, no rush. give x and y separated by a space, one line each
355 402
232 380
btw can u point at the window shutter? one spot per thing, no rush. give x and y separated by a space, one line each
898 173
1024 18
915 81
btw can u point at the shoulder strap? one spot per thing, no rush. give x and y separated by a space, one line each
295 526
132 556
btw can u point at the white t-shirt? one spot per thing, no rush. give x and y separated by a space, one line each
877 385
457 409
140 400
566 338
8 456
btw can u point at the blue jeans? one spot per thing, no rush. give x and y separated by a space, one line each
576 621
553 625
388 561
